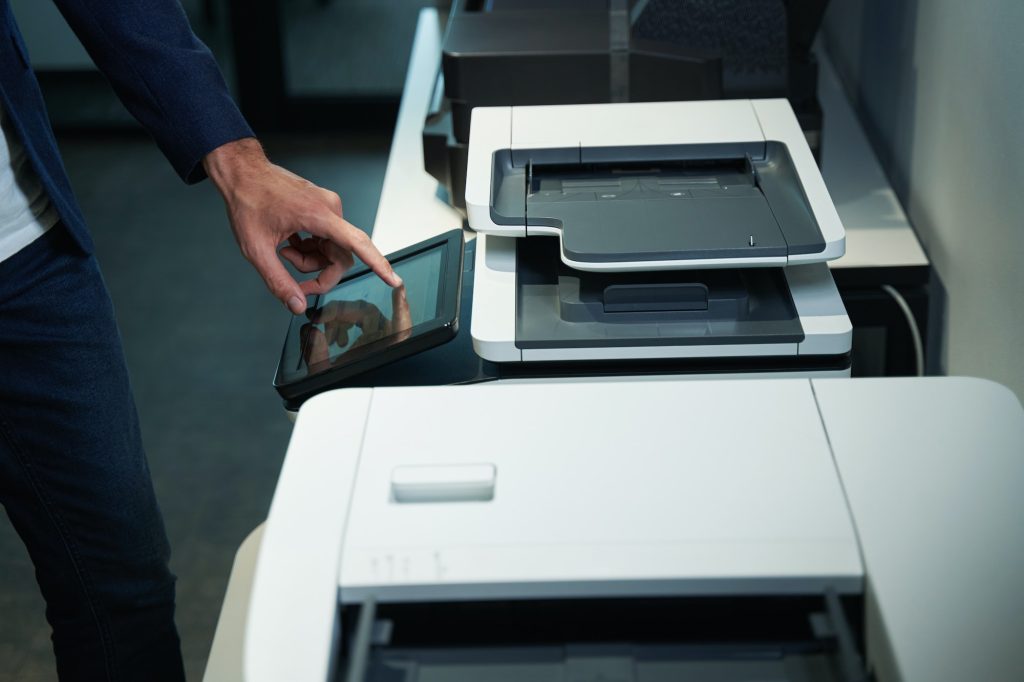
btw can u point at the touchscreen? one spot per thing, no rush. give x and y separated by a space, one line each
362 311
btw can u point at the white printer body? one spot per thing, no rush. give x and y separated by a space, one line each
635 523
651 231
410 519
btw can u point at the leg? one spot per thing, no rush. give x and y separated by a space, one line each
73 474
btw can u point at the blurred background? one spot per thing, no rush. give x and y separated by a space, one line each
292 64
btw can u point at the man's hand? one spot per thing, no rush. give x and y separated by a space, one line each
267 205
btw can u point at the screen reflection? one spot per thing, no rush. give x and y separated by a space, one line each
365 311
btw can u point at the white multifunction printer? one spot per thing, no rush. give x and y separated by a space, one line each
789 530
668 231
634 530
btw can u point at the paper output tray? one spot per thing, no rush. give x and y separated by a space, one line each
788 639
676 210
559 307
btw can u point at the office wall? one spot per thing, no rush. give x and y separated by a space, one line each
940 87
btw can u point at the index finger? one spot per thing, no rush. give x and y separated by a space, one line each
347 235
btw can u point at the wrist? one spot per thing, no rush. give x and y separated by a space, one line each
232 161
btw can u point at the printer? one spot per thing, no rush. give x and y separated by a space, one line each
640 531
613 240
694 234
531 52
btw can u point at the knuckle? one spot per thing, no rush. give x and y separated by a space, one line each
278 286
322 216
248 252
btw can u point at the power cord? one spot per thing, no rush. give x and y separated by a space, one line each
915 333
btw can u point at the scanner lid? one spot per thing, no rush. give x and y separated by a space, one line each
662 186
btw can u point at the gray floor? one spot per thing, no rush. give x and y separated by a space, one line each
202 337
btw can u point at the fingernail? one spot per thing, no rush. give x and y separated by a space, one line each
396 279
296 305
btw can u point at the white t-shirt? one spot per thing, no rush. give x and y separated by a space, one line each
25 210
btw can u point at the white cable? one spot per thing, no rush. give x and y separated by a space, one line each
915 333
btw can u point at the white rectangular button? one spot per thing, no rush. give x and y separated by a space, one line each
443 483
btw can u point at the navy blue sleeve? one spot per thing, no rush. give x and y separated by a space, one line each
163 73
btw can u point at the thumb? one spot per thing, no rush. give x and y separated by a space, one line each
282 285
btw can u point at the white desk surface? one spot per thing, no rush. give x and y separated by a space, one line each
410 210
225 661
877 231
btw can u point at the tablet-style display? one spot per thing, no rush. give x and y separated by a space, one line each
366 310
363 323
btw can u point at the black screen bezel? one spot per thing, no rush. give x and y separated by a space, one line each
425 335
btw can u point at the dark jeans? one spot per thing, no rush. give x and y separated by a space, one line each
73 474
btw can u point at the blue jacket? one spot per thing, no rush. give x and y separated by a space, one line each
164 75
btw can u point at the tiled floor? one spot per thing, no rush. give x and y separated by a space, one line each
202 337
